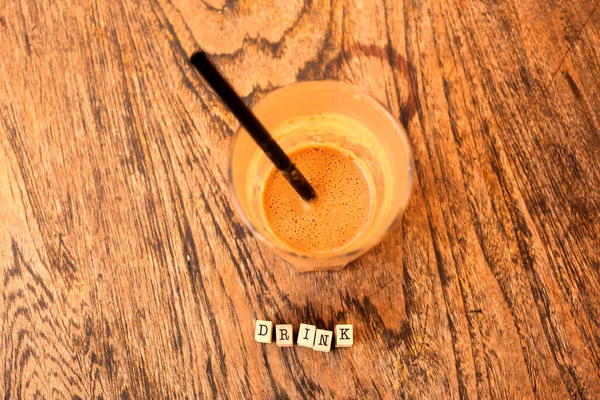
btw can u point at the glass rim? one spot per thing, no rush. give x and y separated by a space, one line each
377 237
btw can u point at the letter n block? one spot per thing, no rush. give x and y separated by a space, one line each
323 340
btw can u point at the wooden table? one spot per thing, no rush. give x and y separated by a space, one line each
125 273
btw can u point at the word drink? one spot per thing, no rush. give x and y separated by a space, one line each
308 335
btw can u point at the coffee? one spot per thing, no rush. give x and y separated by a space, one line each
360 137
338 216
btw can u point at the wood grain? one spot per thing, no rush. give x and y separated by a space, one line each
125 273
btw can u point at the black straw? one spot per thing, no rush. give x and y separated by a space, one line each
258 132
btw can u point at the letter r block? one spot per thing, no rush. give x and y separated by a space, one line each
284 335
263 332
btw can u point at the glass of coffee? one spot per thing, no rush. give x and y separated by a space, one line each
351 150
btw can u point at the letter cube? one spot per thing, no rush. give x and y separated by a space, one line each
284 335
323 340
343 336
264 331
306 335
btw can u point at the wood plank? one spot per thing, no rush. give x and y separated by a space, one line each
125 272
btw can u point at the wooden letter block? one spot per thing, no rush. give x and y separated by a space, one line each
306 335
284 335
323 340
343 336
263 332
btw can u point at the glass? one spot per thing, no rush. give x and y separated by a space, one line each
370 132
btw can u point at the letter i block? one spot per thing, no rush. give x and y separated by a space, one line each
284 335
264 331
343 336
306 335
323 340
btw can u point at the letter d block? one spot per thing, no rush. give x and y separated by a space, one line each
284 335
323 340
344 336
263 332
306 335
